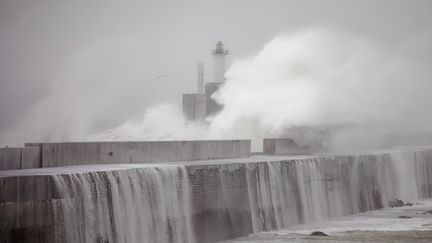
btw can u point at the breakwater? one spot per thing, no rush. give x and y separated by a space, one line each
43 155
203 201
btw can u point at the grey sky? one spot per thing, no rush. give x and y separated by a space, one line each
98 60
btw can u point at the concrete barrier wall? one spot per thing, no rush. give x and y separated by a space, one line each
233 199
282 146
19 158
62 154
37 226
194 106
220 201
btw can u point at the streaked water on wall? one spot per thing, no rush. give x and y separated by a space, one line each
162 203
140 205
304 191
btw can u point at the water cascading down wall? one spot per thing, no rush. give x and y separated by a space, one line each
204 202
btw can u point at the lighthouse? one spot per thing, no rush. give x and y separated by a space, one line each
219 61
201 105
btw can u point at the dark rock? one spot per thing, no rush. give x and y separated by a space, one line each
318 233
409 204
430 212
404 217
396 203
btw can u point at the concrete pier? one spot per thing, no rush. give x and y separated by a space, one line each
223 198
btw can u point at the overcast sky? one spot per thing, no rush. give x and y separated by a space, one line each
95 63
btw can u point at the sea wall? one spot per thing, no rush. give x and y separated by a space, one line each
41 155
287 146
60 154
282 146
19 158
205 202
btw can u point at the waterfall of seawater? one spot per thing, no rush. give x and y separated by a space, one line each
406 184
286 193
154 203
140 205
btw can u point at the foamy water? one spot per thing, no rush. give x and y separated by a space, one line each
373 226
376 220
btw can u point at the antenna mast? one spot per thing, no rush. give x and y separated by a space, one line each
200 78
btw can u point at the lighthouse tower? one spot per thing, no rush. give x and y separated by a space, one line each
212 107
219 59
201 105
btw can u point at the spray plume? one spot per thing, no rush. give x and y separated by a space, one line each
314 86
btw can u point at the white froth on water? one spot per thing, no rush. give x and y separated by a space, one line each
382 225
376 220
